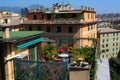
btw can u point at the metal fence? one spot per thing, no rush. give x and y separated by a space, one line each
36 70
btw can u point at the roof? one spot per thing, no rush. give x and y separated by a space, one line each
107 30
69 11
19 35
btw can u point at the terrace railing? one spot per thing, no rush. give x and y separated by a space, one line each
36 70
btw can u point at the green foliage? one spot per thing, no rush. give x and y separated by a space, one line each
49 51
62 16
114 68
81 16
88 54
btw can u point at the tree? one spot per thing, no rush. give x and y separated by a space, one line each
114 68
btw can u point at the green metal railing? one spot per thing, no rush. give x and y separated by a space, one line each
36 70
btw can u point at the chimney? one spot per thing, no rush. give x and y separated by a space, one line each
5 31
86 8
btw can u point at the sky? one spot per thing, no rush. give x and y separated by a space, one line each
101 6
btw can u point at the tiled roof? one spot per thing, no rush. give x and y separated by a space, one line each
107 30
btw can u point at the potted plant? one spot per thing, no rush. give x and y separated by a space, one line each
49 52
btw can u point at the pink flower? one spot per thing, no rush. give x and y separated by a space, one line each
61 50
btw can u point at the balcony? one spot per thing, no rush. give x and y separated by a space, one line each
61 34
33 21
70 20
55 21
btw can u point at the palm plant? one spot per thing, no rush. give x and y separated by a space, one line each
49 52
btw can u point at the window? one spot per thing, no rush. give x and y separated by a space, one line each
107 40
58 29
91 16
113 54
103 51
117 38
113 44
107 50
116 43
94 35
103 46
70 29
91 27
88 15
88 27
116 33
6 21
113 49
48 29
116 48
49 16
30 28
103 40
102 56
106 45
88 38
39 28
34 17
113 39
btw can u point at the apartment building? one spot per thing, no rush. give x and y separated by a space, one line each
64 24
10 18
109 42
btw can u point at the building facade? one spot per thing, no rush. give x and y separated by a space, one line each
109 42
65 24
10 18
24 12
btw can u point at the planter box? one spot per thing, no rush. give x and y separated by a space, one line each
78 73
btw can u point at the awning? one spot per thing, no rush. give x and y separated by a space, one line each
24 45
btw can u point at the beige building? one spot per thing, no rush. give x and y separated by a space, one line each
6 17
109 42
65 24
9 18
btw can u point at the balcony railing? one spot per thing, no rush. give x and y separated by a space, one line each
62 33
33 21
69 20
60 20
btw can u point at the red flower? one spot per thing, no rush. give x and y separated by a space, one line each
61 50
